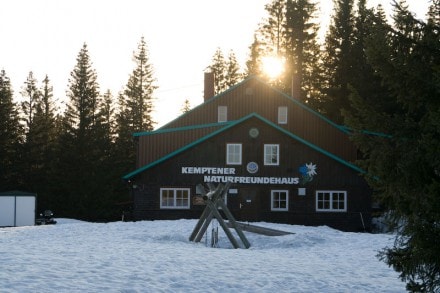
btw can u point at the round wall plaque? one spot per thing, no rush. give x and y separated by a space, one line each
253 132
252 167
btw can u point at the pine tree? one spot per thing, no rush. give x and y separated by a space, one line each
401 149
302 50
45 138
11 137
272 31
186 107
226 70
139 91
272 40
290 33
134 109
31 94
218 67
232 75
338 60
253 64
32 146
78 151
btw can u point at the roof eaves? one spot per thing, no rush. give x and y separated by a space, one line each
182 149
315 147
184 128
236 122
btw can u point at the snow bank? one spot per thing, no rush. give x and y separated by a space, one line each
156 256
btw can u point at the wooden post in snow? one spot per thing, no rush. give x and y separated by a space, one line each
214 200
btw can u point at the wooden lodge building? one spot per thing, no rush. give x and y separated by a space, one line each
287 163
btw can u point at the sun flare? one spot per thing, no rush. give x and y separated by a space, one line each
272 66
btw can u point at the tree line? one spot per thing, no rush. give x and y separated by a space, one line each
378 77
74 160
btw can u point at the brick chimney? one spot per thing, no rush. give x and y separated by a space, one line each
296 87
208 86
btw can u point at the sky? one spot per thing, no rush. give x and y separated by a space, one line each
45 37
157 256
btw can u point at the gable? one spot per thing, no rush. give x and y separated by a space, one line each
255 96
229 126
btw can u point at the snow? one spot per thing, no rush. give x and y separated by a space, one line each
157 256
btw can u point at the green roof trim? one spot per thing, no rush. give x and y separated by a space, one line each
184 128
232 124
315 147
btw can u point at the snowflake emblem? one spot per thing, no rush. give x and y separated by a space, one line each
307 172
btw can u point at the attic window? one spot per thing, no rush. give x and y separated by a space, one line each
222 113
282 115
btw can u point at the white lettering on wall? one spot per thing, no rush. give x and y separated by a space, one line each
208 170
251 180
211 174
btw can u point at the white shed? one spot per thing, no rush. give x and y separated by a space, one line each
17 208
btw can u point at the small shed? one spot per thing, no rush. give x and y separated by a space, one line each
17 208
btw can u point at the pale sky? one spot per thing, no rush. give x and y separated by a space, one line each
45 37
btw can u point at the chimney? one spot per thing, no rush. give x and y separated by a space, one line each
208 86
296 87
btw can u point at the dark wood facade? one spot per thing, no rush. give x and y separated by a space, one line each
193 149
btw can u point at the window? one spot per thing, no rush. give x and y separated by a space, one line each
279 200
282 115
331 201
174 198
222 113
271 154
233 154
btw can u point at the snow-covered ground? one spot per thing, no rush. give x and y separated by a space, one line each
156 256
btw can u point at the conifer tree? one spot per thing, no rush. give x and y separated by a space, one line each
139 91
232 75
186 107
401 147
272 39
45 138
253 64
302 50
226 70
290 34
31 94
11 136
78 151
338 59
31 148
218 67
135 105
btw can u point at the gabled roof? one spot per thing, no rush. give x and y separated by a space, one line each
287 97
228 125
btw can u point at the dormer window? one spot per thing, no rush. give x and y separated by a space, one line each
282 115
222 113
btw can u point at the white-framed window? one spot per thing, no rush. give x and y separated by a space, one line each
279 200
174 198
222 113
271 154
233 154
282 115
331 201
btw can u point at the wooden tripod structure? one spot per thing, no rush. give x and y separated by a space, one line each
214 201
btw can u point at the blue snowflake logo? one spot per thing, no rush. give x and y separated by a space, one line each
307 172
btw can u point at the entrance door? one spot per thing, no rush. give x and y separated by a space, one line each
249 204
